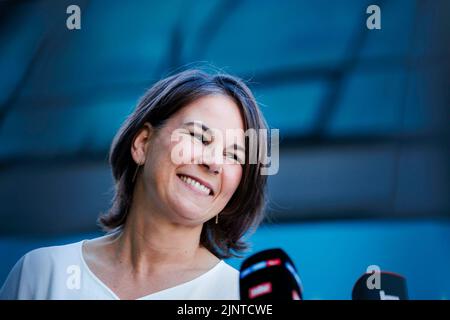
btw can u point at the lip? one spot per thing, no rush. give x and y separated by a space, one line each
206 184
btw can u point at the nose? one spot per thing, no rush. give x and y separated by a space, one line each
213 165
213 168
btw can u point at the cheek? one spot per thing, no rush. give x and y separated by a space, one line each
184 150
158 161
231 179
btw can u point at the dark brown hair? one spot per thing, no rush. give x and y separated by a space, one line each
160 102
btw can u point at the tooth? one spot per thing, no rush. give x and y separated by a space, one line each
196 184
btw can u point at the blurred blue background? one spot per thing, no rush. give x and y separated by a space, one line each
363 116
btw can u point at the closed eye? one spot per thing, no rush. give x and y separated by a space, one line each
199 137
233 156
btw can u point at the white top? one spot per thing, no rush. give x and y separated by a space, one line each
61 273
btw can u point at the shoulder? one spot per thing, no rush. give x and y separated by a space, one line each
228 270
226 286
229 276
32 274
46 254
47 258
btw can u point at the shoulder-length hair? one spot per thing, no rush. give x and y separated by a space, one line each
245 209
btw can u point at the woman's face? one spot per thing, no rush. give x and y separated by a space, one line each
190 172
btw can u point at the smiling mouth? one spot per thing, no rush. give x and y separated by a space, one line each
191 181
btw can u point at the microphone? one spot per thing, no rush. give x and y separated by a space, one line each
380 285
269 275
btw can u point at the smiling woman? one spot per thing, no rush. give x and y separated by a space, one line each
171 222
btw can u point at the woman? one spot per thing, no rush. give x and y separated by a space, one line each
175 215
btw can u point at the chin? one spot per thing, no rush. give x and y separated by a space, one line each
187 203
193 215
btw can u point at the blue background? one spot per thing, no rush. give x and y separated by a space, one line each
363 118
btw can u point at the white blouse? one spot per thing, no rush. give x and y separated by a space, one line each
61 273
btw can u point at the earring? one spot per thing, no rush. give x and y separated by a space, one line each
217 218
138 165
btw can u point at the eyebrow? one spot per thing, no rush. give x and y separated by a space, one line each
197 123
205 128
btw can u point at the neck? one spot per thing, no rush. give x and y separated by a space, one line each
150 241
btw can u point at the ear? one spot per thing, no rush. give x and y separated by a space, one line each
140 143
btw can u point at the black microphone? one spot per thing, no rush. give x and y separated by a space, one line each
269 275
380 285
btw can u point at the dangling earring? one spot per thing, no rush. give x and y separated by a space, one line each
138 165
217 218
